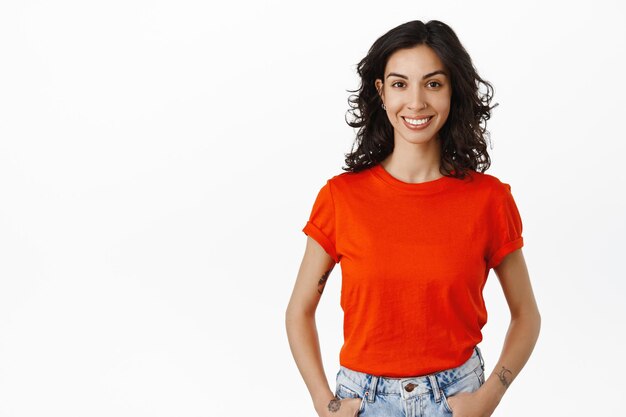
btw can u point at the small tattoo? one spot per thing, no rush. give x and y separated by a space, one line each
322 282
503 377
334 405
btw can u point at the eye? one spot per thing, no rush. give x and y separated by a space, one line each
436 82
397 82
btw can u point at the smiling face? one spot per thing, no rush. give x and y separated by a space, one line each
416 91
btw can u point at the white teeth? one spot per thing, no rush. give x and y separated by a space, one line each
417 122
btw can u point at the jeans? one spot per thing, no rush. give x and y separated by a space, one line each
417 396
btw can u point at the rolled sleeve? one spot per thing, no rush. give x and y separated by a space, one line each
321 223
505 229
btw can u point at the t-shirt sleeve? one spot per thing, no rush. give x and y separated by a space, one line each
505 227
321 223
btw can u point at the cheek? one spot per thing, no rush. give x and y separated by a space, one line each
393 108
442 106
393 102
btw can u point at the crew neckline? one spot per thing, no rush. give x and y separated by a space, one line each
426 187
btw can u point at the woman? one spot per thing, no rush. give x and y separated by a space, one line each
416 225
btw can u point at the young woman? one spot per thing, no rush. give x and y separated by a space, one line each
417 225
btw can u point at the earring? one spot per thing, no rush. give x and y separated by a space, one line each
383 106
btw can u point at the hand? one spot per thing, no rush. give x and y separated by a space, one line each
467 404
347 407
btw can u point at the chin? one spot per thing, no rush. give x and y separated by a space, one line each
419 140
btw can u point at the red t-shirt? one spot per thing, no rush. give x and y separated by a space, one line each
414 260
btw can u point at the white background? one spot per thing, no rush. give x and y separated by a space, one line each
159 159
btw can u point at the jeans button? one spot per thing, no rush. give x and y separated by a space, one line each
409 387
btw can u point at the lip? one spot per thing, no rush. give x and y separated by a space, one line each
420 127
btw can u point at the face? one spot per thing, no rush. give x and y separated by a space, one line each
416 91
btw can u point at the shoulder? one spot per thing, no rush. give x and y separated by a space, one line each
335 184
490 182
349 179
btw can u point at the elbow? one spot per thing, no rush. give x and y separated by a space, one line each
536 322
297 315
291 319
529 319
528 315
537 318
290 315
527 312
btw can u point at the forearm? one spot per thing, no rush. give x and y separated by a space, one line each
519 343
305 348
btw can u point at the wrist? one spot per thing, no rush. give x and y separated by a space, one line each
491 392
321 402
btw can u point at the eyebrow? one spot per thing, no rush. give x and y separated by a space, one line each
430 74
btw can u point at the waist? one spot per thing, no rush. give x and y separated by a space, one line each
418 384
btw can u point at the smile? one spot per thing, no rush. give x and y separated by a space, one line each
415 124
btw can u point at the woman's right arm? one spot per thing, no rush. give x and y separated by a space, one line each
314 270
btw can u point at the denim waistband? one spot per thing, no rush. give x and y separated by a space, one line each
368 385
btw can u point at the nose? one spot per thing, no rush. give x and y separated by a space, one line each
418 100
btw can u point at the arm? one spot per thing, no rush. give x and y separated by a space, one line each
314 270
522 333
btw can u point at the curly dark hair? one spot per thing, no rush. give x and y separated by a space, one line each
462 137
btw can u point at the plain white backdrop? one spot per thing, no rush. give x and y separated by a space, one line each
159 159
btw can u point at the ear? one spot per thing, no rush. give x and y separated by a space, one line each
379 87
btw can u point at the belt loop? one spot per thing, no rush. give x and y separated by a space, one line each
480 356
435 386
371 392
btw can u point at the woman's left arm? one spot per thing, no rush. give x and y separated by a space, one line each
519 343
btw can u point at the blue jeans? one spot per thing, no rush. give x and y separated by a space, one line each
418 396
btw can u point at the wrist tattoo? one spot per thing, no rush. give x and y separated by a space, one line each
334 405
502 375
322 282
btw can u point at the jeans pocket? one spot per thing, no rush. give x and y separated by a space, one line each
444 400
469 383
343 392
480 374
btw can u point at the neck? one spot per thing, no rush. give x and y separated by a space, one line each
414 163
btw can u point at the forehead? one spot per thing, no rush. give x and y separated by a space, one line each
414 61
